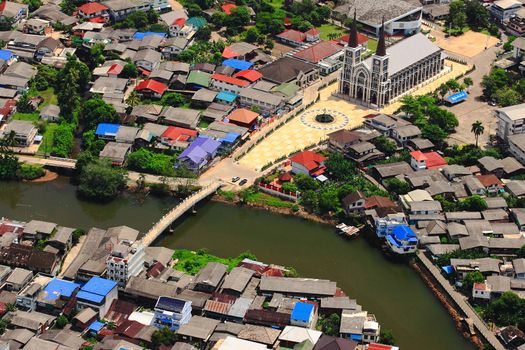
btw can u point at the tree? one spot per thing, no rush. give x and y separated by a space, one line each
329 325
457 18
68 6
470 279
97 54
9 163
509 309
386 337
33 4
99 181
497 79
385 145
305 182
443 90
143 160
163 336
477 15
23 105
129 71
63 140
521 252
133 99
468 82
173 99
444 119
434 133
61 321
339 167
252 34
477 129
203 33
397 186
507 97
96 110
473 203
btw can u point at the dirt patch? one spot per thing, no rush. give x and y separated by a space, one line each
48 177
469 44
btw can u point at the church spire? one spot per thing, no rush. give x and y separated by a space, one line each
381 46
353 40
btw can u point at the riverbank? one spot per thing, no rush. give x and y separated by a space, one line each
301 213
48 177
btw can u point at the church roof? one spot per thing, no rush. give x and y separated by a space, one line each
407 52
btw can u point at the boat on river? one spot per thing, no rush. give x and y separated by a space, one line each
347 231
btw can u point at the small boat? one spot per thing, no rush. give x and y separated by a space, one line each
347 231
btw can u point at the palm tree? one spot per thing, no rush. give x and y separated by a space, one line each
133 99
477 129
468 82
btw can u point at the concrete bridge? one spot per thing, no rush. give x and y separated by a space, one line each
460 302
175 213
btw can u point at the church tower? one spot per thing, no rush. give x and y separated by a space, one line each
380 83
352 57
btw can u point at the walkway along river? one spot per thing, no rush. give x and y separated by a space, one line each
393 292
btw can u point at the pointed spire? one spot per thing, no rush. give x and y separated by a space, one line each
353 40
381 46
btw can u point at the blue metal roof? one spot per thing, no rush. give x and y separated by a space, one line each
403 232
100 286
96 326
230 137
107 129
237 64
457 97
141 35
6 55
57 287
302 312
448 269
226 96
90 297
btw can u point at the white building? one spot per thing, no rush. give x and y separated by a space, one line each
171 313
517 146
511 120
384 226
124 262
481 291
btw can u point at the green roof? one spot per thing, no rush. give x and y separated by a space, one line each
197 22
199 78
287 89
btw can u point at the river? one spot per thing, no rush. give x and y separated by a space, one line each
393 292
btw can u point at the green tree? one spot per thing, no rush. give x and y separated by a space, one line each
96 110
507 97
305 182
203 33
173 99
9 163
521 252
497 79
97 54
470 279
386 337
33 4
329 325
133 99
509 309
443 90
23 105
473 203
468 82
453 85
143 160
385 145
63 140
251 35
163 337
457 18
129 71
61 321
99 181
477 15
339 167
477 129
444 119
397 186
434 133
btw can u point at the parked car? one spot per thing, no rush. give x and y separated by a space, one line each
243 182
235 179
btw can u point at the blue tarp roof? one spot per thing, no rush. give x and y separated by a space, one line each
457 97
57 287
448 269
237 64
230 137
98 285
226 96
96 326
302 312
90 297
403 232
141 35
107 129
6 55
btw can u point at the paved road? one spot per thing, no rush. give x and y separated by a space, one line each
473 108
460 301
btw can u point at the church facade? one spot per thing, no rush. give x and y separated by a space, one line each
375 81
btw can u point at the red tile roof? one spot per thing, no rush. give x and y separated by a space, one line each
490 180
98 20
285 177
227 8
243 115
292 35
432 159
229 53
312 31
179 22
92 7
310 160
229 80
115 69
480 286
174 133
361 39
319 51
152 85
248 74
375 346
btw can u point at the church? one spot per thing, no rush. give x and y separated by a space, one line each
375 81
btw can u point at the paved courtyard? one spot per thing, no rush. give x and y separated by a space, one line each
469 44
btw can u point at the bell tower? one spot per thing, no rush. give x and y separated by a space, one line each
380 81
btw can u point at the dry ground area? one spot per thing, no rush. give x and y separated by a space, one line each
469 44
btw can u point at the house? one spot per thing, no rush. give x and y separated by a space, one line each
18 279
226 83
364 152
57 295
98 293
302 314
481 291
290 70
359 326
405 133
36 322
387 171
402 240
50 113
151 88
510 121
116 152
354 202
326 55
24 132
327 342
199 153
174 46
178 138
512 337
291 336
474 186
236 281
199 329
425 207
243 117
120 9
503 10
147 59
177 23
429 160
517 146
209 278
182 117
300 287
342 139
62 239
383 123
36 229
13 11
265 101
308 163
171 313
490 183
294 37
126 260
516 24
93 10
111 84
36 26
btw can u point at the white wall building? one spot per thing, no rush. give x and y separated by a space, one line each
511 120
125 261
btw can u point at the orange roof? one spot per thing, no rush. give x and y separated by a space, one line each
375 346
319 51
480 286
490 180
180 22
292 35
310 160
92 7
229 53
229 80
361 39
115 69
312 31
174 133
432 159
249 74
152 85
227 8
243 115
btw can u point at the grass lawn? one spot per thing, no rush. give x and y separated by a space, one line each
49 96
47 142
26 116
328 28
265 199
372 45
203 124
192 262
